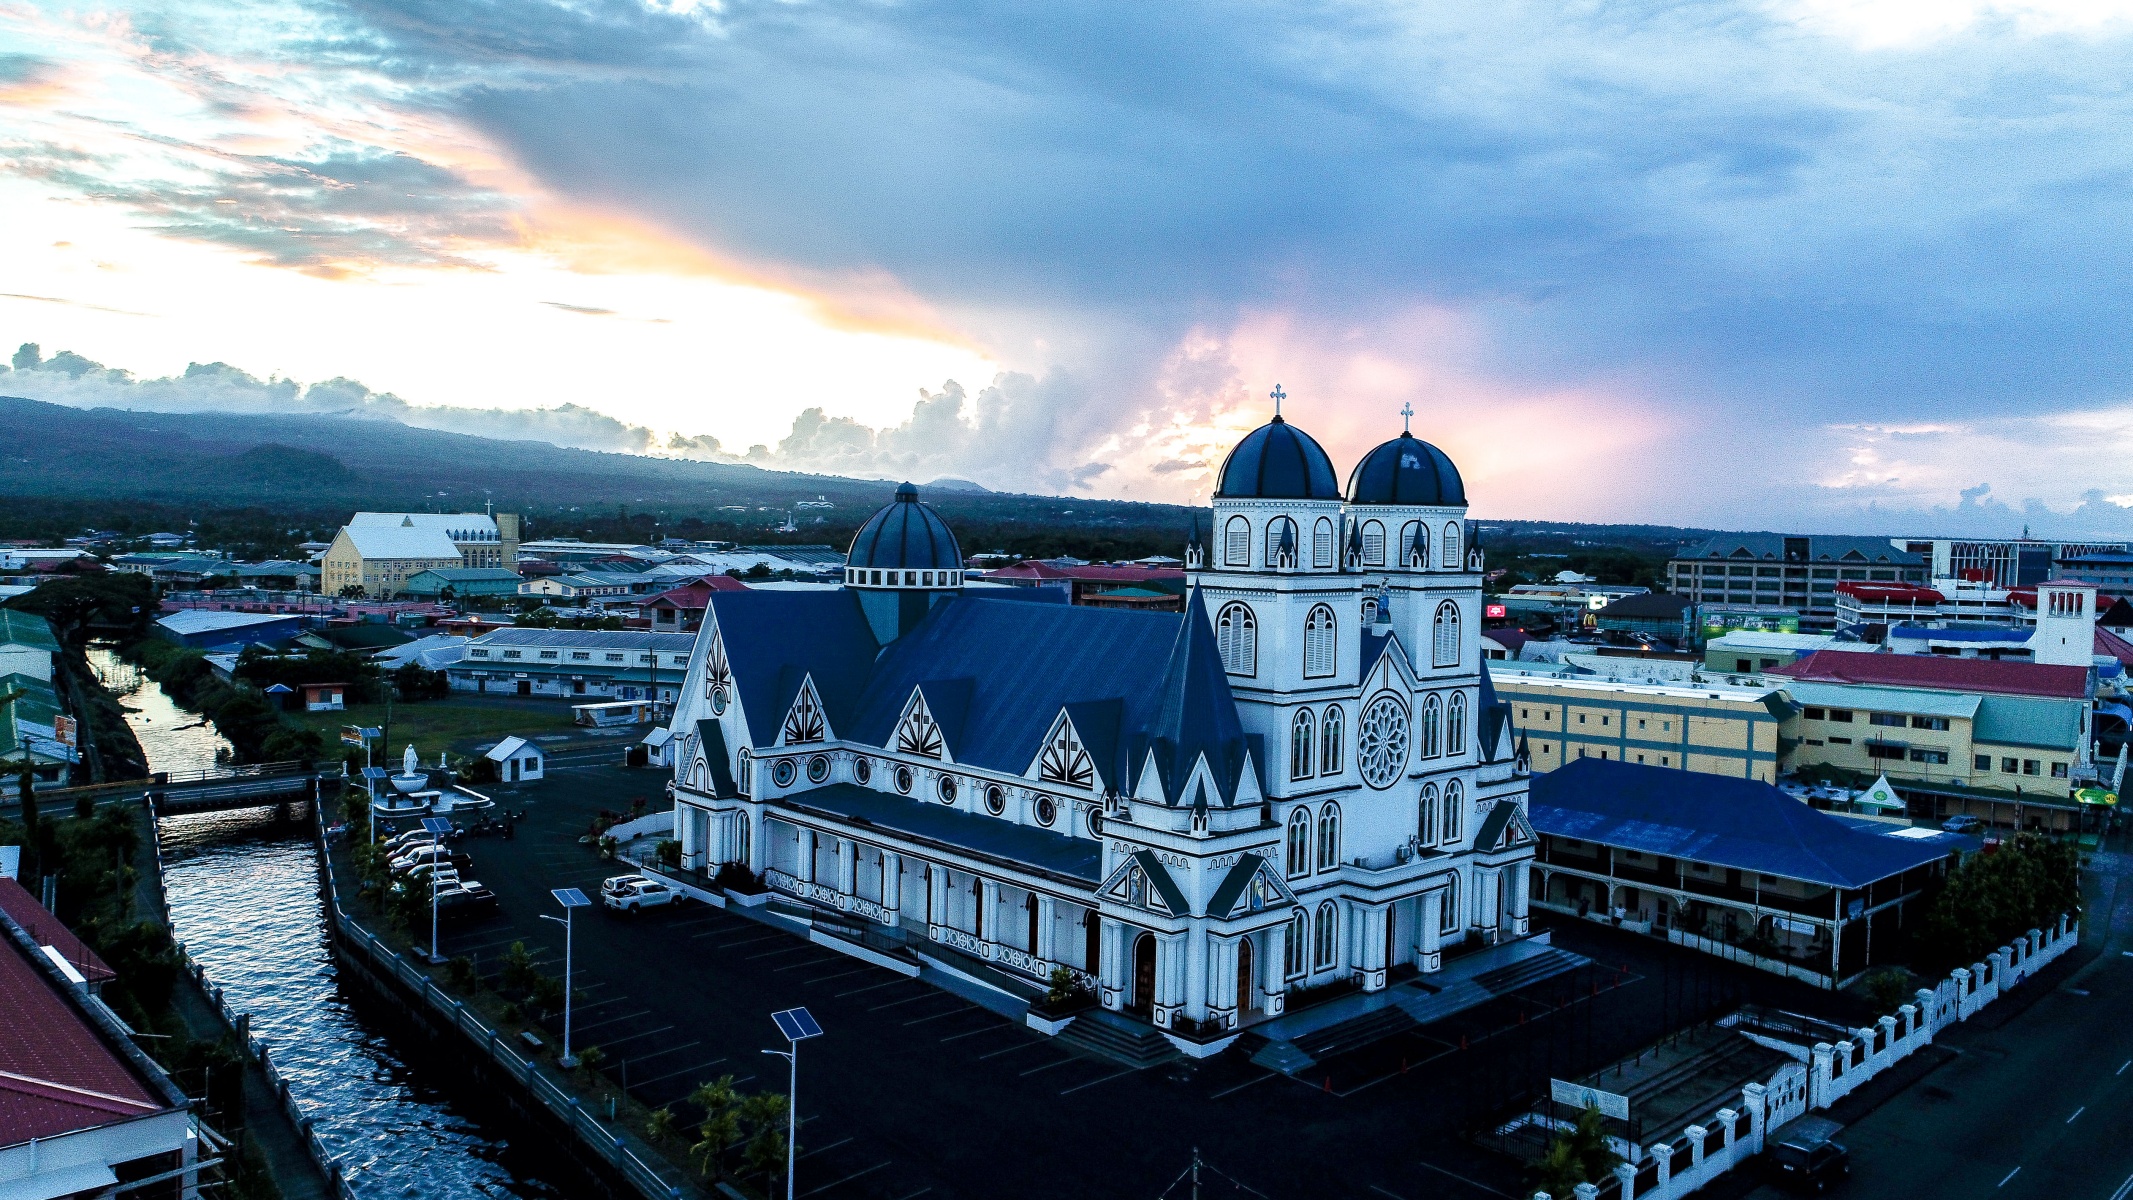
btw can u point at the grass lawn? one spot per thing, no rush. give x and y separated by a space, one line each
458 724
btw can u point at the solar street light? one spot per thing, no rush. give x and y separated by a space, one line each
798 1025
437 827
571 899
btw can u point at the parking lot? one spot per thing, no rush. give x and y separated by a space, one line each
916 1091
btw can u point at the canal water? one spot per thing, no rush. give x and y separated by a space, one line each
244 898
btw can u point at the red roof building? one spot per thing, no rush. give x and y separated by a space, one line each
45 929
81 1109
681 610
1940 673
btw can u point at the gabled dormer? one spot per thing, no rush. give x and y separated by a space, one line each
805 723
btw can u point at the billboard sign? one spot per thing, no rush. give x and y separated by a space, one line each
1580 1097
64 729
1718 622
1494 612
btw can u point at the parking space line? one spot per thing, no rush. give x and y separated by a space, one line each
645 1083
957 1037
1102 1079
847 1179
779 953
840 975
748 941
922 1191
2010 1175
802 966
874 988
957 1010
930 994
667 1051
1461 1178
633 1037
2077 1112
1048 1066
585 1008
2124 1189
1011 1049
1240 1087
1382 1192
831 1146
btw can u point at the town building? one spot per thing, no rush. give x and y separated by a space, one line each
1733 867
593 585
175 570
33 729
481 539
2005 563
380 552
681 609
1709 727
1755 580
572 552
83 1113
206 629
278 574
1565 604
2004 741
1746 652
611 664
2111 570
1104 585
1303 779
27 646
447 584
1653 614
518 760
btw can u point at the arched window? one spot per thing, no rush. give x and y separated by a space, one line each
1414 545
1330 732
1373 544
1329 837
1451 921
1451 545
1455 724
1281 546
1299 842
1319 642
1237 638
1426 815
1446 635
1325 942
1454 810
1237 543
1322 543
1299 935
1427 741
1301 759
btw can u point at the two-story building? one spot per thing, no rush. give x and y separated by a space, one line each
1715 728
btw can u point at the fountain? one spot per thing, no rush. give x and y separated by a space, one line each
411 794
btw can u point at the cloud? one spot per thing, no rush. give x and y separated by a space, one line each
580 308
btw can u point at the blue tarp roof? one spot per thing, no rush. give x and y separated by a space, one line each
1738 823
1078 858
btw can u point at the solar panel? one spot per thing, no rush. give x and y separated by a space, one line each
570 898
437 825
797 1024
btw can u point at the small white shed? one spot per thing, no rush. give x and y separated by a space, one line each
518 760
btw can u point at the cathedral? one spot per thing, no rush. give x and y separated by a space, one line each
1304 780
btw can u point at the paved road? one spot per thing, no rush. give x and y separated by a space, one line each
2031 1105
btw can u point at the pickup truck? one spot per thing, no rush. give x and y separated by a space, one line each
631 893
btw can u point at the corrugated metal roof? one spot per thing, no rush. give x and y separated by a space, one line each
1725 822
1941 672
1884 699
2029 721
397 541
19 628
188 621
590 639
991 837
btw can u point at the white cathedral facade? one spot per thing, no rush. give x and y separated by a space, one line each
1304 779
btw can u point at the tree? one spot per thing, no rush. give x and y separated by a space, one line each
1580 1154
352 591
763 1114
1998 895
659 1126
119 603
721 1124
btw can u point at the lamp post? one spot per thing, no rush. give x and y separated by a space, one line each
798 1025
571 899
437 827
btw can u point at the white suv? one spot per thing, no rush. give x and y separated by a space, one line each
628 893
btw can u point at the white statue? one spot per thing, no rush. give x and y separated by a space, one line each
409 764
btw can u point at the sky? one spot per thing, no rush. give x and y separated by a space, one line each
1821 265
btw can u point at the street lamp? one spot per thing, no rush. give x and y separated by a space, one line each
437 827
798 1025
571 899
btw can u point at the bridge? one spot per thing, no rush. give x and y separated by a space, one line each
181 793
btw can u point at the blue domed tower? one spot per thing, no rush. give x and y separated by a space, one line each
1285 618
903 561
1407 506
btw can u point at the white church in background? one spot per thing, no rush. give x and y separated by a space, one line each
1303 779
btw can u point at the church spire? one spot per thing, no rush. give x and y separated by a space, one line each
1195 712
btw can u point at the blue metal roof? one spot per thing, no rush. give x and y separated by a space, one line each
906 535
1960 633
1406 470
1077 858
1278 461
776 639
1738 823
1198 714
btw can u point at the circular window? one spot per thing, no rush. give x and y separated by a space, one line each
995 799
818 768
1096 823
903 780
1047 810
1381 742
947 790
783 772
863 769
718 701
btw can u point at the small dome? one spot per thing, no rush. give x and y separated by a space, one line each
1278 461
906 535
1406 470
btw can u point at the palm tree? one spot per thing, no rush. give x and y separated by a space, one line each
721 1125
764 1115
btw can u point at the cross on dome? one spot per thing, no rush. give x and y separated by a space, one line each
1407 412
1278 396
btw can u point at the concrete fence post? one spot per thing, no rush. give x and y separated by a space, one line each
1587 1191
1626 1175
1663 1154
1751 1096
1888 1035
1818 1079
1961 975
1696 1135
1728 1121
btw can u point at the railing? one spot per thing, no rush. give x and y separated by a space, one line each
611 1147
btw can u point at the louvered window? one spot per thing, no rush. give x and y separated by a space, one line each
1236 637
1373 544
1319 642
1322 544
1237 539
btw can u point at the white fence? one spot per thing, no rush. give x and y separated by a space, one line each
1832 1071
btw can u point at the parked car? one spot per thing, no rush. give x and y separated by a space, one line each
401 843
1803 1155
629 893
445 854
1961 823
420 873
468 900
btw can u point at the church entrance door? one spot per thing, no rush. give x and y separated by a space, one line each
1143 999
1244 979
1092 929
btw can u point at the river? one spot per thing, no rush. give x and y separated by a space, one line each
244 898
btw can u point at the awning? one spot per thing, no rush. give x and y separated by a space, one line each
66 1181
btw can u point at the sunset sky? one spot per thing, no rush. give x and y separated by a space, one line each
1839 265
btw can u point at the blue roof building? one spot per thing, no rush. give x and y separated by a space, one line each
1302 778
1731 866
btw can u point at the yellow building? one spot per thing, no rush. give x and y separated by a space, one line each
1718 729
380 552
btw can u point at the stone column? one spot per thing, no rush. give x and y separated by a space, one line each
1727 1120
847 869
1626 1175
1169 978
758 853
1845 1051
1111 971
1429 934
807 854
989 916
1962 993
892 884
1586 1191
936 898
1927 999
1819 1075
1697 1134
1663 1154
1370 956
1521 898
1751 1098
1489 884
1275 970
1047 948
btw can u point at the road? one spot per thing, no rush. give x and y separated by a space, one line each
2031 1104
